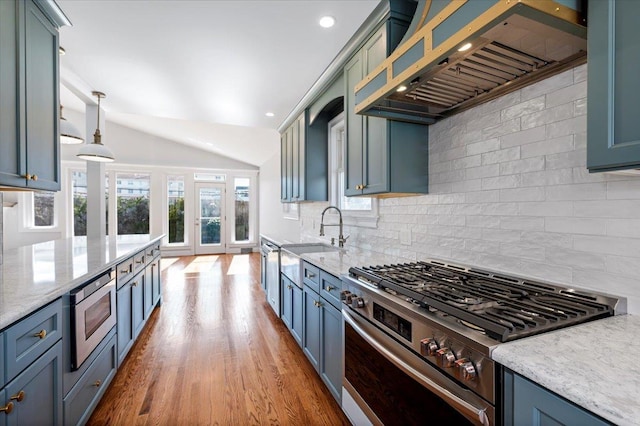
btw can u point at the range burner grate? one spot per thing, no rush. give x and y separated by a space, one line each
505 308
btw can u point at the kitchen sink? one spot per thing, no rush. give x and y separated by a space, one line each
310 248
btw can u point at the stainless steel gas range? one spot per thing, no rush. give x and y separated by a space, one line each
419 336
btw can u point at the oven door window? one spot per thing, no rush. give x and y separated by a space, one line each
96 314
392 395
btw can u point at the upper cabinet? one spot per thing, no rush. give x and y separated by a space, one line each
304 164
382 156
29 95
613 128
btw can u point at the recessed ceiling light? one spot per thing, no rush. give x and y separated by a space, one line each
327 21
269 114
464 47
401 88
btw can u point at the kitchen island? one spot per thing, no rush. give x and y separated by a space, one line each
32 276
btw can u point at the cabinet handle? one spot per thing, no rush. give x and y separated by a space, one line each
317 303
7 408
124 271
18 397
330 287
134 284
97 383
289 286
311 275
42 334
27 176
34 178
139 261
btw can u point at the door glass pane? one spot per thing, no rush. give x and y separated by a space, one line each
175 194
241 189
79 180
133 203
43 209
210 202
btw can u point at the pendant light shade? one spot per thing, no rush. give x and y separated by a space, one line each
69 134
96 151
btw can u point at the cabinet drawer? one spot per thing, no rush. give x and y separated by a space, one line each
84 396
124 272
311 276
330 288
138 261
31 337
152 251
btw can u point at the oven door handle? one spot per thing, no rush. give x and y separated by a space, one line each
477 414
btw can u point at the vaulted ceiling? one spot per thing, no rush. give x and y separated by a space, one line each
203 73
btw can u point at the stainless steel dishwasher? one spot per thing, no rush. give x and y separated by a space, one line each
271 273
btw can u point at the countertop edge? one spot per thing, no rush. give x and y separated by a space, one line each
29 309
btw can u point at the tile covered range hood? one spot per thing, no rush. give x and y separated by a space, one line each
509 44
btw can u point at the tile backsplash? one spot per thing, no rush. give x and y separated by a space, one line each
509 191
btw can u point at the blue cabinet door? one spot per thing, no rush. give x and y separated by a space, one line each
147 292
311 326
37 392
613 128
156 276
331 353
137 303
125 328
527 403
286 288
296 313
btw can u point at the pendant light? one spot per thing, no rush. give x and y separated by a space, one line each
69 134
96 151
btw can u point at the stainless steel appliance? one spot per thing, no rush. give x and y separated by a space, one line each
93 315
419 336
271 255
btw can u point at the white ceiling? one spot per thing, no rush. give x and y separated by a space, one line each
192 71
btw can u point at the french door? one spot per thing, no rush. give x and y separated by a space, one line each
210 218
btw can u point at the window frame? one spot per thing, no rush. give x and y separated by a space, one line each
26 217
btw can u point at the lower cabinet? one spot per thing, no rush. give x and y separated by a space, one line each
85 395
156 284
292 308
527 403
322 335
35 394
130 307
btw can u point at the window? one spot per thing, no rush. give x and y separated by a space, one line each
79 193
44 212
175 198
133 205
242 193
363 211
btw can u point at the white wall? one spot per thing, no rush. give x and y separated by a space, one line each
272 221
509 191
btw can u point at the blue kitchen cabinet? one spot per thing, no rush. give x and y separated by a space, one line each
382 156
36 393
156 285
527 403
29 95
137 304
613 128
311 326
125 327
292 308
331 348
148 291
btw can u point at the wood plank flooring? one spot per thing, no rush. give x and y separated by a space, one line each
215 353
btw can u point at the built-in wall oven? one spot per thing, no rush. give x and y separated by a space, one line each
92 315
418 338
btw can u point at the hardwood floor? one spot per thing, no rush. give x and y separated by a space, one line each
215 353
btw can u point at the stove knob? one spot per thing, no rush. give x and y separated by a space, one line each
466 368
447 358
357 302
345 296
428 347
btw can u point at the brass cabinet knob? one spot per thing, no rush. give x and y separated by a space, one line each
34 178
97 383
329 288
7 408
134 284
18 397
289 286
27 176
42 334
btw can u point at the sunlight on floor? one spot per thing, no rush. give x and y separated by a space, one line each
201 264
165 262
239 265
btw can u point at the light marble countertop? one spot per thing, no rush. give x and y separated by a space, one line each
32 276
595 365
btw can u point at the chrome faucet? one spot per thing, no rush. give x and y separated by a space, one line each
341 238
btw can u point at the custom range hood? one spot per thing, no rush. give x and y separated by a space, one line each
460 53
